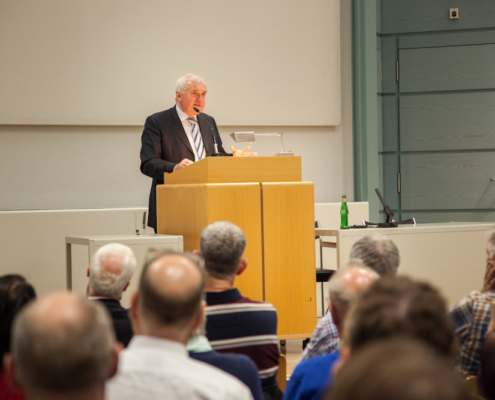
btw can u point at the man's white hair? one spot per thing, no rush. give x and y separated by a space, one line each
184 81
111 269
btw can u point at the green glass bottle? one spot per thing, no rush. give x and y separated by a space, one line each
344 214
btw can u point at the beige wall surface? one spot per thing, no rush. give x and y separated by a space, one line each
113 62
85 175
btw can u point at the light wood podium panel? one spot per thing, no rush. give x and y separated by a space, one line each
289 255
265 197
239 169
188 209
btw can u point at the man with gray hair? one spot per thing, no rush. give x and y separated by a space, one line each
166 309
63 347
376 252
236 324
177 137
110 273
312 376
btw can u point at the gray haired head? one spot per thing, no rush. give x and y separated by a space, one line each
111 270
378 253
222 246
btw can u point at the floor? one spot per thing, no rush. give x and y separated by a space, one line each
292 351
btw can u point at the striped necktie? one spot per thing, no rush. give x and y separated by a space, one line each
198 141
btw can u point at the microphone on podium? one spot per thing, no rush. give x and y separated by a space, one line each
215 145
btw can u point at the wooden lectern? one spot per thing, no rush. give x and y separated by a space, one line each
265 197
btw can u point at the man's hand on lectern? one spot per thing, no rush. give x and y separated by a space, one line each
184 163
243 153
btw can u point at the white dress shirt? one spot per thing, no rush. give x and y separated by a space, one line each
187 127
157 369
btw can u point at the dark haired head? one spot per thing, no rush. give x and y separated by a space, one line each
397 370
400 307
15 293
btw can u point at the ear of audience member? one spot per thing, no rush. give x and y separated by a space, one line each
63 346
400 307
15 293
397 370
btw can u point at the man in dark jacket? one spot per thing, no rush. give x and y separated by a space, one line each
109 274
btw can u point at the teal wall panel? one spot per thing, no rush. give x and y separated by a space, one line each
388 60
389 191
447 68
446 121
404 16
425 217
446 39
389 116
448 181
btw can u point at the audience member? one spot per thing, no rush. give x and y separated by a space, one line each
238 365
109 275
236 324
164 312
472 315
486 374
396 307
15 293
397 370
63 347
376 252
312 376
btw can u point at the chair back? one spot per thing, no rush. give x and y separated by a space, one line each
282 372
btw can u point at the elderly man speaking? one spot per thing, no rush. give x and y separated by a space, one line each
177 137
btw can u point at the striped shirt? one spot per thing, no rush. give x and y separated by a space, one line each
236 324
471 318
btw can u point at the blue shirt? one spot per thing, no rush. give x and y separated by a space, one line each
311 377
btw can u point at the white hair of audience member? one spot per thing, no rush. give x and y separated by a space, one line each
343 294
377 252
184 81
111 270
491 245
71 356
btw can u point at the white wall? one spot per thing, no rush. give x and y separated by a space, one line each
97 167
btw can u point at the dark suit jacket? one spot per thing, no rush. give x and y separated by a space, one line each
238 365
164 144
120 319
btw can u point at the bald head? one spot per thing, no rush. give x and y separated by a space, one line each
171 289
62 343
346 285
